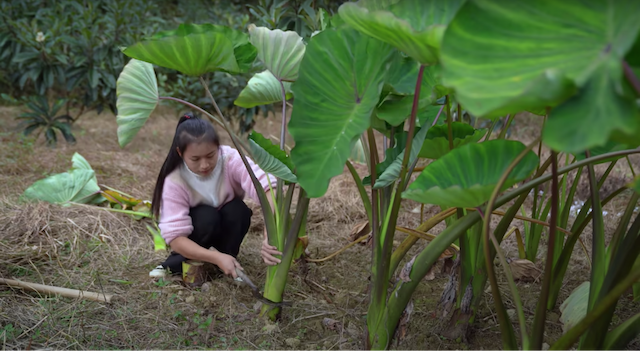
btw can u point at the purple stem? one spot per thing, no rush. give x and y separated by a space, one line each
631 77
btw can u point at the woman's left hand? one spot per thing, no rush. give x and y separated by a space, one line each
268 251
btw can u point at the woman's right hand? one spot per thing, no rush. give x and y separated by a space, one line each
228 264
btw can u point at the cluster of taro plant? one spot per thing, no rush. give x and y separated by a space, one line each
410 70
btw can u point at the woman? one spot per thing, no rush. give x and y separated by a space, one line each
198 199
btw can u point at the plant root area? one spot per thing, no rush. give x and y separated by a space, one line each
88 248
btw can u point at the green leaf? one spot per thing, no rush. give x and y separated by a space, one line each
159 244
402 74
588 119
635 185
73 186
280 51
622 335
436 143
339 83
505 56
79 162
391 154
195 49
270 158
413 26
397 108
262 89
574 308
392 173
137 97
466 176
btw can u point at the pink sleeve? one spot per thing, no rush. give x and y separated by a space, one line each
174 215
240 176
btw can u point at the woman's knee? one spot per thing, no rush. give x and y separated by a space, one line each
237 210
205 220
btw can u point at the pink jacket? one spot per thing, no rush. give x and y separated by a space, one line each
178 197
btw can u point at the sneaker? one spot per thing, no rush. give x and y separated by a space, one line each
158 272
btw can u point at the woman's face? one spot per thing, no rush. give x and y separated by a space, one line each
201 157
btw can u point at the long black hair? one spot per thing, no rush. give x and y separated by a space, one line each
190 129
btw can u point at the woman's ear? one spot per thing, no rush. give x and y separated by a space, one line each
178 151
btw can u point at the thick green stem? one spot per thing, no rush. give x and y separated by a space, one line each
537 336
383 260
375 301
277 285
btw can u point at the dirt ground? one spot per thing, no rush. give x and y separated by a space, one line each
91 249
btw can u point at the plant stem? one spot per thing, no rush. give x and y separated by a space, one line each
284 116
633 173
597 249
506 126
508 337
449 129
541 309
363 192
631 77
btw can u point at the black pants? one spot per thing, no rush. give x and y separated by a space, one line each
223 229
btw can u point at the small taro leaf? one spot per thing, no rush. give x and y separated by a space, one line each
270 158
610 146
466 176
400 141
137 97
436 144
392 173
280 51
358 153
339 83
192 49
428 115
262 89
402 74
549 48
395 110
61 188
574 308
415 27
587 119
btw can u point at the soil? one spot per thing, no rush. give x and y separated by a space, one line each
87 248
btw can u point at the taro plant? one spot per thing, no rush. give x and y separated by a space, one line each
345 90
194 50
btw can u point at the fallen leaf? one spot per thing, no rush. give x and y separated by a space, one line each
524 270
360 229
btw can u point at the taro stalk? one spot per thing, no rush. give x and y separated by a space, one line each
580 85
196 50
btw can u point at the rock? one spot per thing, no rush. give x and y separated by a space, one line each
553 317
205 287
190 299
269 328
545 346
512 314
257 306
292 342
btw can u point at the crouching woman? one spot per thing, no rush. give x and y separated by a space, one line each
199 200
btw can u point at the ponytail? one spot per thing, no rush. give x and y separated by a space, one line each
189 129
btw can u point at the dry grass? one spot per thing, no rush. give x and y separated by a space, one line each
92 249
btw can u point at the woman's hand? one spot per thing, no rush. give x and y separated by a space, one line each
268 251
228 264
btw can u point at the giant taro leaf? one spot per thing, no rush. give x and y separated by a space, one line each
280 51
505 56
413 26
339 83
262 89
436 143
137 97
270 158
588 119
195 49
466 176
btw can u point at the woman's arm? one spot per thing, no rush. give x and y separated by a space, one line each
188 248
